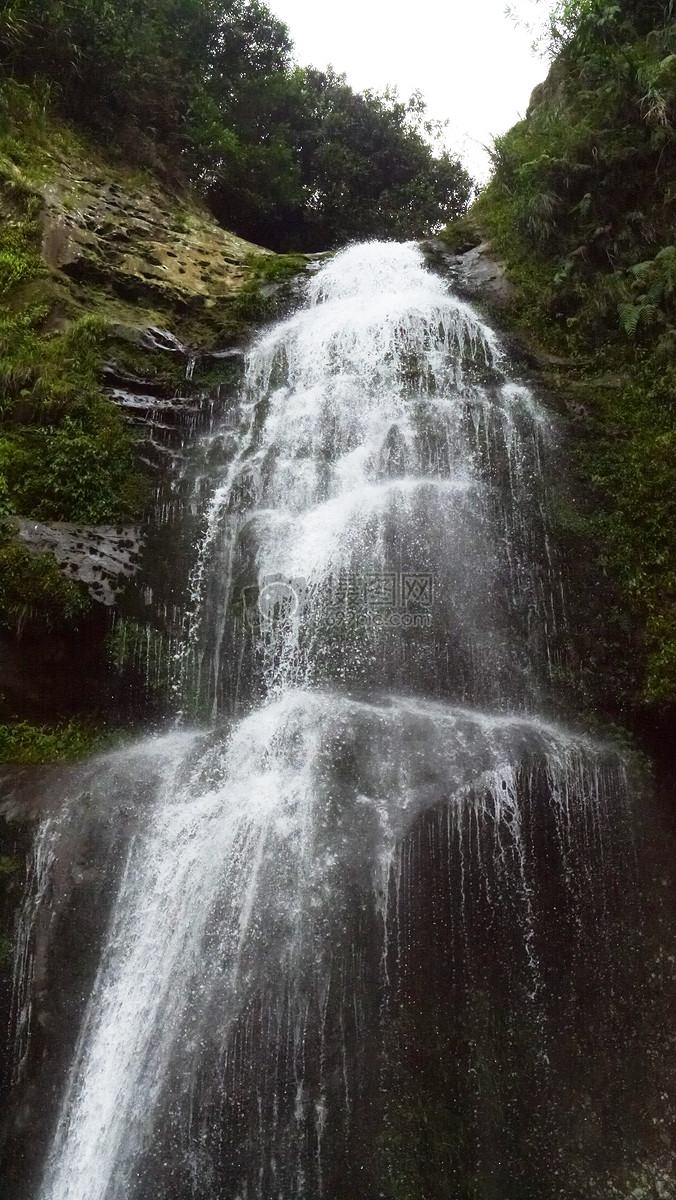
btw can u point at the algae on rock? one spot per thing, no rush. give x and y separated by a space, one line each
112 282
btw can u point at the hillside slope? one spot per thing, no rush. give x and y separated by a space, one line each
108 274
581 208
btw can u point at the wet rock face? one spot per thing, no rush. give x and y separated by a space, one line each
166 418
103 557
482 277
81 886
94 230
476 273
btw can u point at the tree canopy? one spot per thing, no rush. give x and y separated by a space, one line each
287 156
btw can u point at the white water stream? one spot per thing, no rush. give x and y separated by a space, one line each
260 921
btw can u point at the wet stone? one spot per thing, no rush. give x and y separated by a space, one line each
103 557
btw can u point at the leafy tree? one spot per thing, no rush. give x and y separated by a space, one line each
290 157
586 21
361 165
140 65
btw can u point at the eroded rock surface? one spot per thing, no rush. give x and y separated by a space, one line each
483 277
138 238
103 557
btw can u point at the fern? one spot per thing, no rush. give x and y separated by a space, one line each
641 270
630 318
633 316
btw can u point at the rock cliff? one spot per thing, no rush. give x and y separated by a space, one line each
124 306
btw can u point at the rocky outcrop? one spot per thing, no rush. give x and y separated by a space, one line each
138 239
103 557
475 271
481 276
174 296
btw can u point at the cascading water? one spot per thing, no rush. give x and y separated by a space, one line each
368 934
388 456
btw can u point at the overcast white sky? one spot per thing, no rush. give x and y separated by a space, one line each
471 62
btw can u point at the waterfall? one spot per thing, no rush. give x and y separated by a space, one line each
387 455
379 904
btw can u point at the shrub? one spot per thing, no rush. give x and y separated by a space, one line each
33 745
34 591
581 207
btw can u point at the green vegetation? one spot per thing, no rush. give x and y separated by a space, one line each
144 650
268 275
34 592
10 875
582 208
291 158
65 451
278 268
8 866
23 744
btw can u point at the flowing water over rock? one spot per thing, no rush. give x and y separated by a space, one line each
374 931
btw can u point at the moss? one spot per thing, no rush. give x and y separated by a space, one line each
437 1076
132 646
163 370
19 260
65 450
461 235
33 745
254 303
180 223
35 592
9 867
580 209
275 268
224 374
